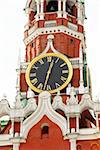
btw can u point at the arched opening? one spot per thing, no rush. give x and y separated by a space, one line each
52 6
71 9
45 130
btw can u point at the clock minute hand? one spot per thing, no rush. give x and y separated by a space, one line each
48 73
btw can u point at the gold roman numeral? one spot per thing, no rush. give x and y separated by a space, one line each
64 71
48 88
34 81
63 78
49 59
40 86
32 74
35 67
62 65
57 60
57 85
41 61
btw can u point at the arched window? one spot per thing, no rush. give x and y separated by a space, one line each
79 147
45 130
94 147
52 6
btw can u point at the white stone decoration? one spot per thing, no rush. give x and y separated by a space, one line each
44 108
71 109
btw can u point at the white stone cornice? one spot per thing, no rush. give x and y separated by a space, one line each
86 103
58 103
44 108
52 30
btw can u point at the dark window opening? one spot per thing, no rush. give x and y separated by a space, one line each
72 10
52 6
71 41
44 131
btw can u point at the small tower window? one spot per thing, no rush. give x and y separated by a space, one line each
45 130
52 6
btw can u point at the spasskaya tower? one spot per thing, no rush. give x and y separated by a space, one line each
54 109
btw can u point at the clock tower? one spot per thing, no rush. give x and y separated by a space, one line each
54 109
55 27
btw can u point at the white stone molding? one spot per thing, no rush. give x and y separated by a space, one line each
81 12
16 146
27 8
81 88
72 144
86 103
18 104
4 107
58 104
30 107
44 108
50 45
72 100
52 30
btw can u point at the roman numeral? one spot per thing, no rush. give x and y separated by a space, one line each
32 74
64 71
63 78
62 65
57 85
57 60
40 86
34 81
49 59
35 67
41 61
48 88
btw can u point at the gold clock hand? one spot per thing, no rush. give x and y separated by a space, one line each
48 74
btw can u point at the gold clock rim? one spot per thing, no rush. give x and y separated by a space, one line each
61 56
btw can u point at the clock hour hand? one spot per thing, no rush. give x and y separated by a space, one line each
48 74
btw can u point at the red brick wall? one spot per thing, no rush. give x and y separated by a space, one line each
54 141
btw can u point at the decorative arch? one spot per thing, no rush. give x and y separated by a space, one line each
44 108
45 130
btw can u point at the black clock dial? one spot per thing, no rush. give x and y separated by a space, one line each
50 72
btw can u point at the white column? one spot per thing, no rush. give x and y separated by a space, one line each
21 126
59 9
59 5
12 127
16 146
64 5
77 123
64 9
38 8
42 10
97 122
79 11
68 124
81 88
42 6
73 144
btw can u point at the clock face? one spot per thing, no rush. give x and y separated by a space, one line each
49 72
